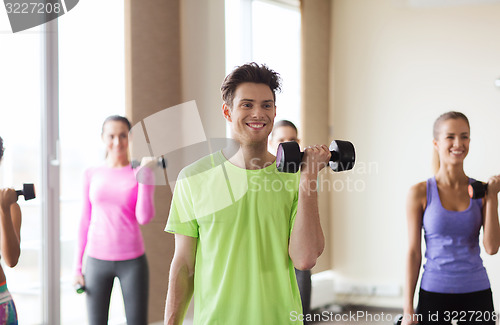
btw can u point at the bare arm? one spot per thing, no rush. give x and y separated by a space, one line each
415 206
491 227
181 279
10 226
307 240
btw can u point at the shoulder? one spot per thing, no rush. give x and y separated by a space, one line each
87 174
419 189
418 193
97 172
91 170
202 165
289 177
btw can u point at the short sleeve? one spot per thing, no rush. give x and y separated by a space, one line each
182 219
293 212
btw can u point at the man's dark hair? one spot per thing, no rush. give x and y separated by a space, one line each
285 123
250 72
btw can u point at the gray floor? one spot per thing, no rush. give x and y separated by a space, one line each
359 315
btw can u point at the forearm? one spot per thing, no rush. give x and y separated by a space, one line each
491 227
85 218
413 263
9 239
145 208
82 242
307 240
180 291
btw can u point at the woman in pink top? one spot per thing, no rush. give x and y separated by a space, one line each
114 205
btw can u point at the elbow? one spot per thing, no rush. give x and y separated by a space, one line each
491 249
307 262
491 245
305 265
12 262
304 258
145 219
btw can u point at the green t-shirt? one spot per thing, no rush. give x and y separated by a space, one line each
243 220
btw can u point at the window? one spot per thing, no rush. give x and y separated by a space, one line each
91 87
20 108
268 32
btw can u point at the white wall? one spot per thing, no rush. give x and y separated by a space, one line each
395 68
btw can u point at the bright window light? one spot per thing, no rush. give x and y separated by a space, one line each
267 32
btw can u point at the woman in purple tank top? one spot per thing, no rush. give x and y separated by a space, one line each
454 285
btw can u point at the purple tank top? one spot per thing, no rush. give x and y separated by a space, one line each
452 246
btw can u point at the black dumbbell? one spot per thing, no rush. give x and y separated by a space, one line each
289 157
161 162
28 191
478 190
398 319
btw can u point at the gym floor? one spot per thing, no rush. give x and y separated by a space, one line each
354 312
359 315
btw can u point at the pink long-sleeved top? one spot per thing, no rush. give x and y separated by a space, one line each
114 205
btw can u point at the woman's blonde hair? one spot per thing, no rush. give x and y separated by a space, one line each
452 115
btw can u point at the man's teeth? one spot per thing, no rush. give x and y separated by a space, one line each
256 125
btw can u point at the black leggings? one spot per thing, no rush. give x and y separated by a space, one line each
134 281
466 308
304 282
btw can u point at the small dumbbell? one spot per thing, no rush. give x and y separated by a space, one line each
289 157
28 191
79 288
161 162
477 190
398 319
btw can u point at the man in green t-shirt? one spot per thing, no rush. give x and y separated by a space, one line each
284 131
241 226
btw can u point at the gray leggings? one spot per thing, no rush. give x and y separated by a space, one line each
134 281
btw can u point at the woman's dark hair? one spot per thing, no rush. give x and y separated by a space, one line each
116 118
250 72
1 148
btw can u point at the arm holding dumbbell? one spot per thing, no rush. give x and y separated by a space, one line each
10 226
491 227
415 207
145 208
307 240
